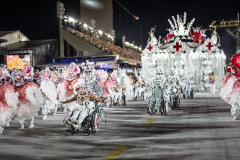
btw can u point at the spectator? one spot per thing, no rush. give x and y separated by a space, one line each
212 83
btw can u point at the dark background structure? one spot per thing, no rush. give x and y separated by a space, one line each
38 20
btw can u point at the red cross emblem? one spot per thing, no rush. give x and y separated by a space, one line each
150 47
209 46
177 46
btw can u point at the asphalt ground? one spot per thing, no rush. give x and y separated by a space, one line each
202 128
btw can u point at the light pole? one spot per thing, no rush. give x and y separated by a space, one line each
60 13
134 16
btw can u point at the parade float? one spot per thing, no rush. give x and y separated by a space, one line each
185 50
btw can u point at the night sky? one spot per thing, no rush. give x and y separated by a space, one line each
37 19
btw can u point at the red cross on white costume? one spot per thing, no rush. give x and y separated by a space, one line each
177 46
150 47
209 46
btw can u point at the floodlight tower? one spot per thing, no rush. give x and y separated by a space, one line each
60 14
230 24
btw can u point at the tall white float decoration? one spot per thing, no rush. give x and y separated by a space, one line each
186 50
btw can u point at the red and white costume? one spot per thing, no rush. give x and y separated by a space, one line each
102 77
66 89
30 100
230 91
8 102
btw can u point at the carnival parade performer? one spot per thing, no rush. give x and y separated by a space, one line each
86 105
212 83
103 78
118 90
49 90
91 78
159 94
110 83
36 77
230 91
132 85
188 85
140 86
124 80
109 94
55 78
30 99
66 86
8 99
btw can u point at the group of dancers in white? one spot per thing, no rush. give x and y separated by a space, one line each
166 90
27 92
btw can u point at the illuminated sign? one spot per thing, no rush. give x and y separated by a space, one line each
17 61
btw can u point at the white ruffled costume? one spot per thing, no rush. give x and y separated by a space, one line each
30 100
230 92
49 90
67 88
125 81
8 102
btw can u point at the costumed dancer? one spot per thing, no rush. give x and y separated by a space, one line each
36 77
91 80
174 91
55 79
158 94
125 81
30 99
85 99
188 85
230 91
139 86
110 84
49 90
65 89
62 87
73 77
212 83
132 85
28 72
102 77
119 91
8 99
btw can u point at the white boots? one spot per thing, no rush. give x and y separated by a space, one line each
31 125
21 126
1 130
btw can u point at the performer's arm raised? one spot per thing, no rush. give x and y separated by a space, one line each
70 100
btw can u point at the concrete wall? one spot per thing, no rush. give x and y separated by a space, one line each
14 37
78 44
